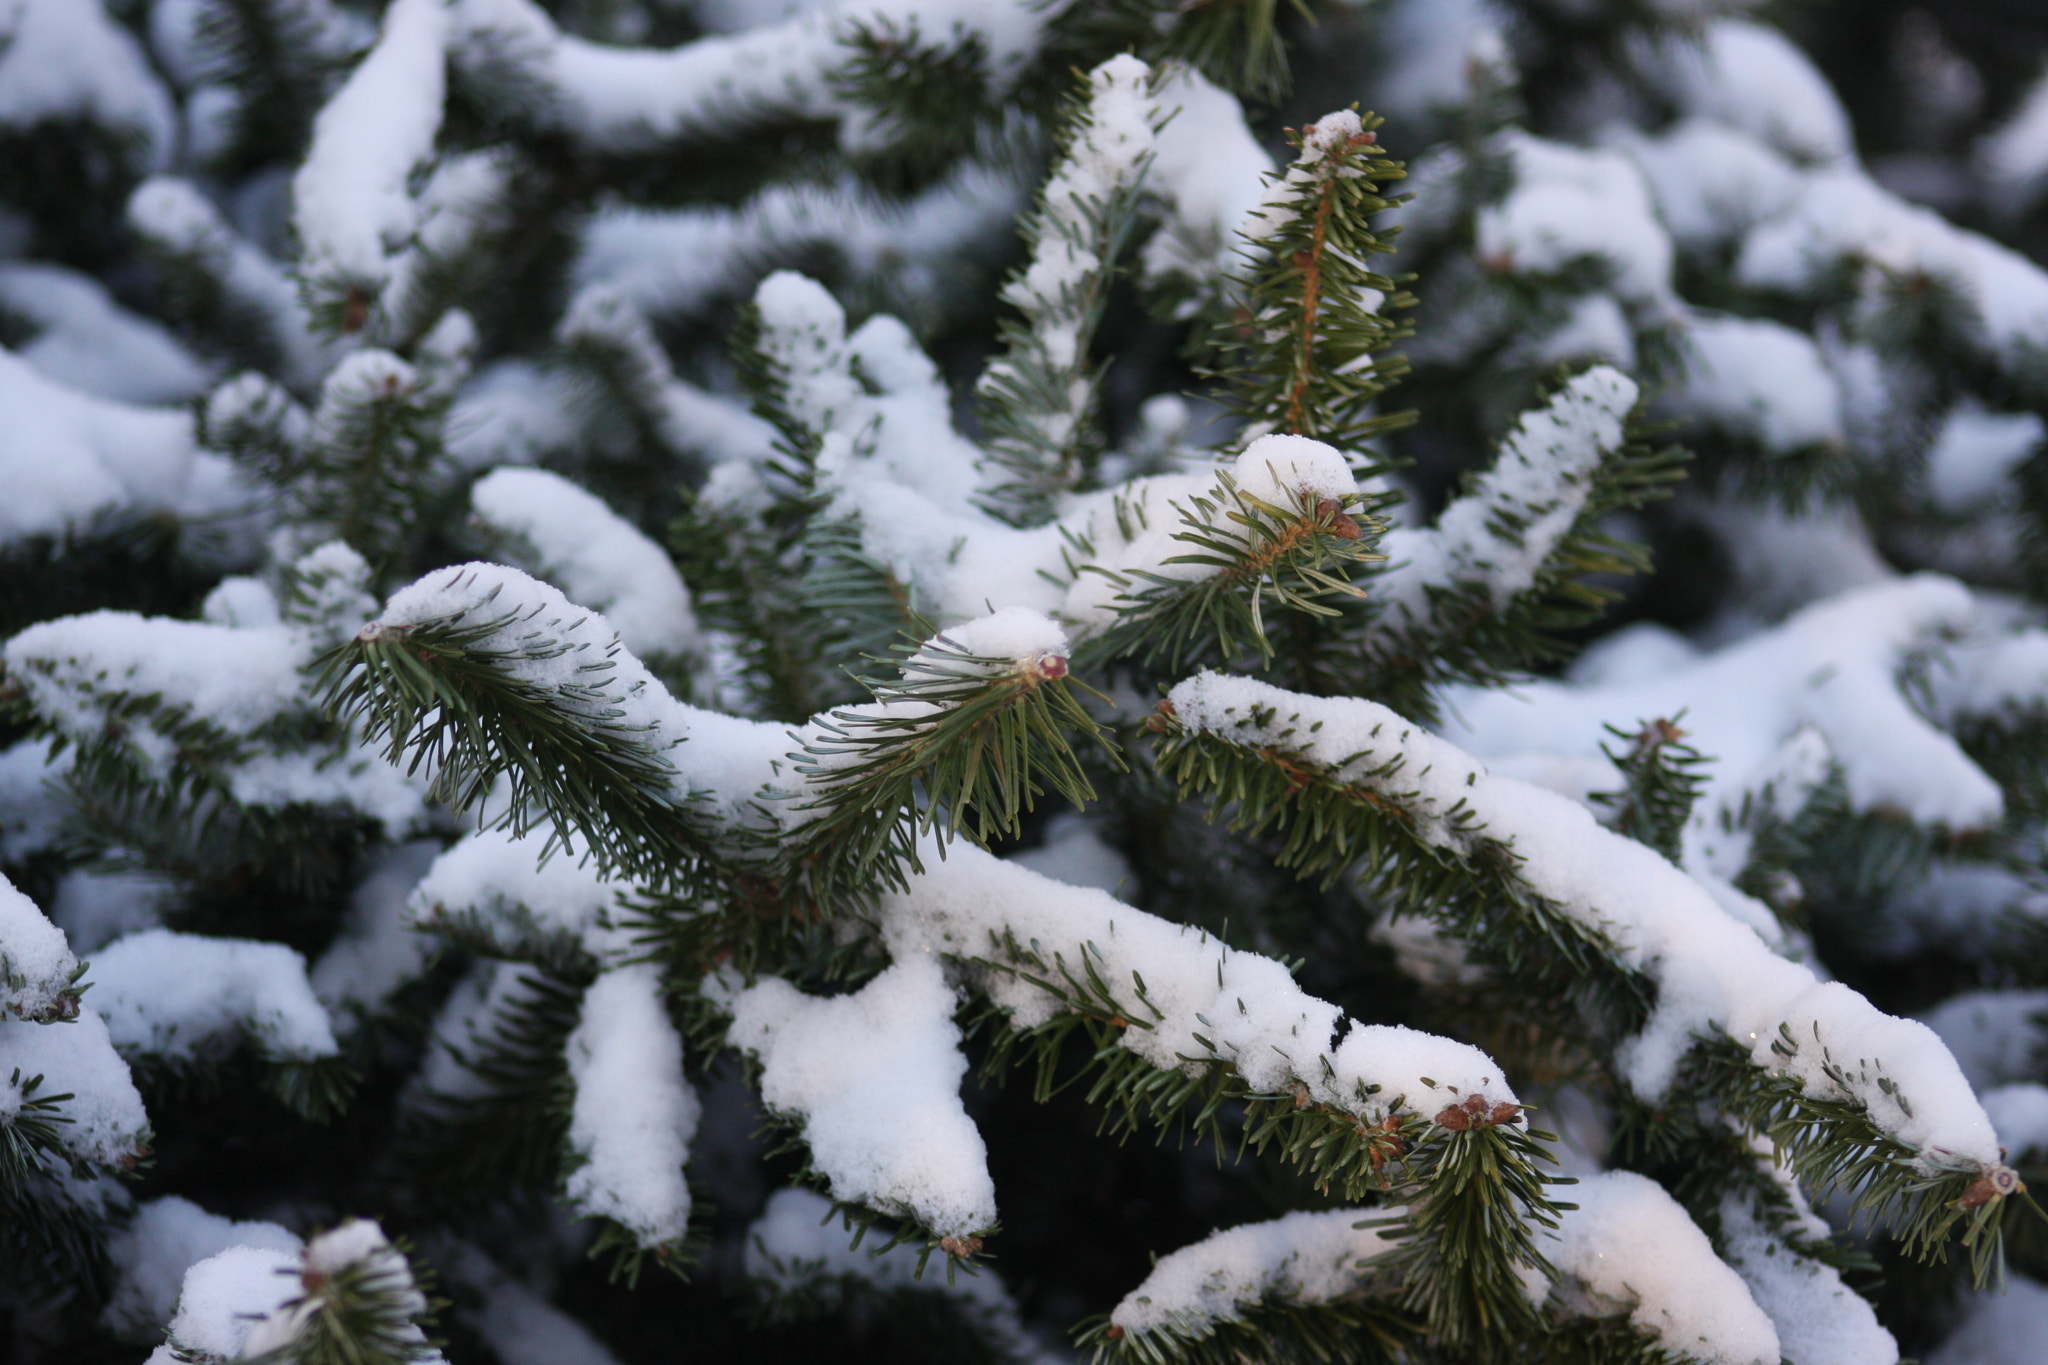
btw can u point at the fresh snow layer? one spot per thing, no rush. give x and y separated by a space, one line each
551 643
189 996
2020 1113
1760 380
227 1296
1712 973
35 961
85 340
1819 1320
1629 1245
349 200
1832 667
1571 204
166 1238
1303 1258
69 59
107 1124
633 1114
874 1079
797 1239
1209 173
2003 1325
1753 79
973 907
1975 452
1992 1034
593 554
493 883
65 455
1537 485
377 950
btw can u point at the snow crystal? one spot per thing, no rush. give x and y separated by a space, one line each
1303 1258
1975 451
185 995
874 1078
350 204
494 884
166 1238
596 556
377 950
1629 1245
633 1114
973 905
1711 972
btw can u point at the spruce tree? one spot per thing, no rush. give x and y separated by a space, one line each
1114 680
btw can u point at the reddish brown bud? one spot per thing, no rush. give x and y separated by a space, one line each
1342 525
1363 139
1050 666
1453 1118
960 1246
1114 1333
1505 1112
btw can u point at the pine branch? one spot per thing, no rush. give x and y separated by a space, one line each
1663 781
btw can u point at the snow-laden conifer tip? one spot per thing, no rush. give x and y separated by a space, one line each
1282 469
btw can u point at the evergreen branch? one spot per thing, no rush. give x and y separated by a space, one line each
1038 396
1241 548
362 1305
1302 355
1662 782
1401 802
482 694
1360 1330
980 737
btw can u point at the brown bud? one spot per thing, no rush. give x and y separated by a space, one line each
1300 1095
1342 524
1996 1183
1115 1333
1049 666
1453 1118
1505 1112
355 311
1363 139
960 1246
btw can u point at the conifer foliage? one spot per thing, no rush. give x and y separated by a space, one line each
996 679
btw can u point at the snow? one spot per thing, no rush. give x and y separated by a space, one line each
594 555
510 412
35 962
1997 676
1499 534
94 908
972 906
88 342
518 1324
1074 853
1045 365
1450 51
2020 1114
1975 453
1753 79
1711 972
66 59
1303 1258
1572 203
1993 1034
874 1079
227 1296
684 260
1832 667
1015 635
796 1239
165 1239
356 1243
30 819
551 644
1208 171
1760 380
2001 1326
2013 157
107 1123
1819 1320
633 99
173 218
1630 1246
189 996
1711 183
350 202
493 883
65 455
1284 470
633 1114
377 950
